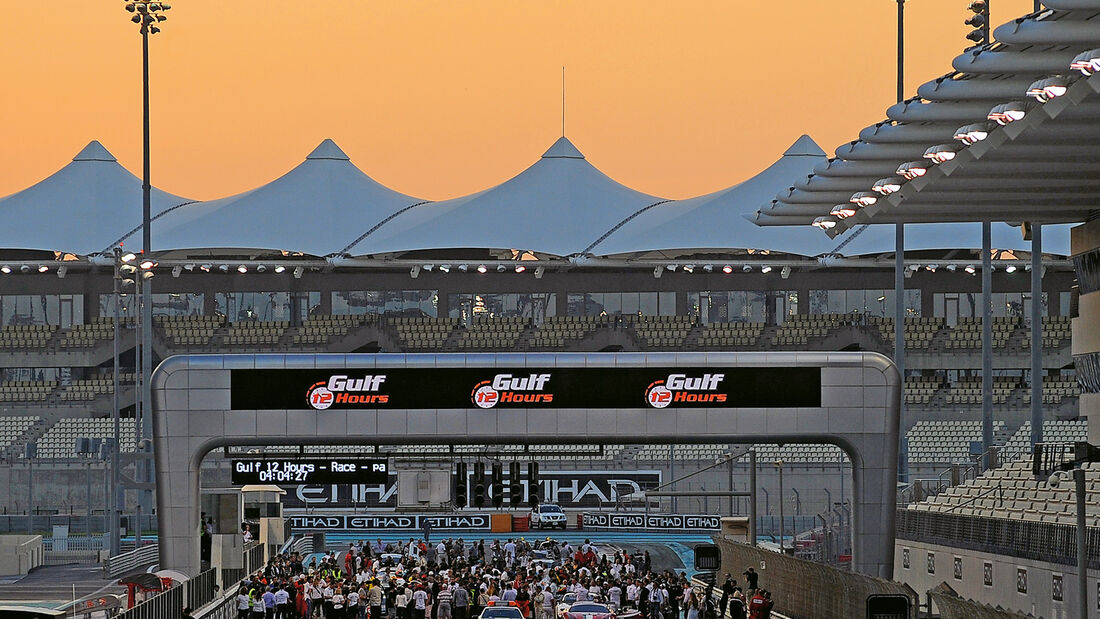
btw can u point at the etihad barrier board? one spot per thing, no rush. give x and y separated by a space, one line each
204 402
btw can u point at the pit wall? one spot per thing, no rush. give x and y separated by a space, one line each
804 589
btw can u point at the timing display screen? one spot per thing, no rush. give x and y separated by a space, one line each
311 471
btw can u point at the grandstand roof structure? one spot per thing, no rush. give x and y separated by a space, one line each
316 208
550 208
80 209
1018 148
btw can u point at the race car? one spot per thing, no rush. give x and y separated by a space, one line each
588 610
547 516
501 610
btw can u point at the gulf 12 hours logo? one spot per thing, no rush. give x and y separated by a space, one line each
340 389
682 389
511 390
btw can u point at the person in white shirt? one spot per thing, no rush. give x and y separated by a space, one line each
632 595
244 604
615 595
282 602
338 602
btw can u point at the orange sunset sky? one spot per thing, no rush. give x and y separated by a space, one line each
440 98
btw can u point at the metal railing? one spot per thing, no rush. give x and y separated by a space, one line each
118 565
1025 539
195 593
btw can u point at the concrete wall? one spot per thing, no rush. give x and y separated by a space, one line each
20 554
803 589
1084 243
1037 598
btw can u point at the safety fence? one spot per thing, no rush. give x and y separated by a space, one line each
119 565
1040 541
67 550
193 593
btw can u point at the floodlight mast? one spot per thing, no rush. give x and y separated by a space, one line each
146 14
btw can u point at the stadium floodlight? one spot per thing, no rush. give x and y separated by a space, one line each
43 268
1010 268
941 153
766 269
1048 88
25 269
689 268
446 268
501 268
864 198
176 271
61 271
888 185
671 267
298 271
261 268
708 268
842 211
1086 62
130 257
463 267
785 272
224 268
746 268
414 272
539 271
428 267
913 169
971 269
481 268
909 270
932 267
205 268
952 267
279 268
1006 113
973 133
727 269
658 272
520 268
5 269
825 223
242 268
189 267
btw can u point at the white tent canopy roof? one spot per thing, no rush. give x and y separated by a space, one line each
80 209
554 207
718 220
321 205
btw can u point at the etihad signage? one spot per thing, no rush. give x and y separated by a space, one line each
391 522
569 489
627 521
530 388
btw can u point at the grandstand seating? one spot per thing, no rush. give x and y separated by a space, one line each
920 389
561 331
59 440
318 329
492 333
34 391
919 330
661 332
189 330
969 390
1012 492
422 333
1056 332
90 388
1056 388
945 441
741 334
18 337
1057 431
12 427
250 333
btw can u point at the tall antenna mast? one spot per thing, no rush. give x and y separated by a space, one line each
563 101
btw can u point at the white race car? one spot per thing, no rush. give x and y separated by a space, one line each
588 610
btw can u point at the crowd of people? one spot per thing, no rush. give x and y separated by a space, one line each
457 579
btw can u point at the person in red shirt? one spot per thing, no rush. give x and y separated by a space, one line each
760 607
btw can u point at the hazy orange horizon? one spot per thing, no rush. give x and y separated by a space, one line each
441 99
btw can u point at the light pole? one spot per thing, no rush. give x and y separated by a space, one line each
779 465
124 275
147 14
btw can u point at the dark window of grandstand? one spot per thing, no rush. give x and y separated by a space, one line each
536 306
772 306
956 305
265 306
1065 301
412 303
62 310
622 303
164 304
862 302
